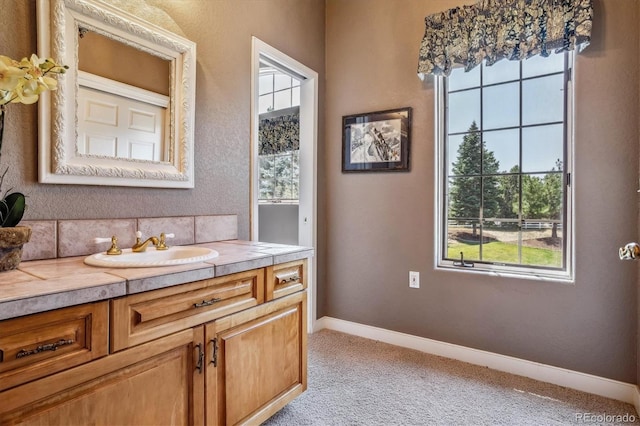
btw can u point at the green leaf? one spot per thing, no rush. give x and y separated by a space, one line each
12 209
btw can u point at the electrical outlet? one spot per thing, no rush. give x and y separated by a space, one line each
414 279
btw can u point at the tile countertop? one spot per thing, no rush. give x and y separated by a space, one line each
43 285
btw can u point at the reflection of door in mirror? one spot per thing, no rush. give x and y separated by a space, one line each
123 100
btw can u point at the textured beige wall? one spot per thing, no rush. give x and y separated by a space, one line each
222 30
387 220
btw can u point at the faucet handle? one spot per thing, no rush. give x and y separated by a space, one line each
162 243
114 249
138 234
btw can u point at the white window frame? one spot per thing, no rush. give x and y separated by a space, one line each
565 275
294 83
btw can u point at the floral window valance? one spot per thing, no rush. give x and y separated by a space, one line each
279 134
491 30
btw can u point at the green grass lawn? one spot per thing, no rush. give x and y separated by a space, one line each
508 253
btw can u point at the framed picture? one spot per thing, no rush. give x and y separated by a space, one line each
376 141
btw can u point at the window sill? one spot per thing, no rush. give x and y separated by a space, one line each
278 203
561 277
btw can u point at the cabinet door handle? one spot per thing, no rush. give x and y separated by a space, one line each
48 347
214 352
206 303
200 358
287 277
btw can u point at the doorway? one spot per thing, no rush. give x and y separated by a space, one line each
284 96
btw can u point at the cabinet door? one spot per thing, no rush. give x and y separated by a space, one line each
258 361
155 383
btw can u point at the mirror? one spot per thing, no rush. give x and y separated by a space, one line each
123 113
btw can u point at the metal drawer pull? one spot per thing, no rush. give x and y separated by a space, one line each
206 303
214 352
43 348
288 277
200 358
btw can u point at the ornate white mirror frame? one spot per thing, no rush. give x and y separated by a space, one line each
59 23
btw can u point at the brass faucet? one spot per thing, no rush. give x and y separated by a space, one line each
140 246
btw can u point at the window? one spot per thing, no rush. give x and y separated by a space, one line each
279 130
504 194
277 90
279 177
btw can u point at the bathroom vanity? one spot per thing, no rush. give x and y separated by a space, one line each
219 342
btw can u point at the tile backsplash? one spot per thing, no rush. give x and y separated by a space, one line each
181 227
63 238
216 228
75 237
46 235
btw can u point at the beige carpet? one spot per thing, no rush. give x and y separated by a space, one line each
356 381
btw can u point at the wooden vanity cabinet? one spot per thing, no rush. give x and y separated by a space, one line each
236 360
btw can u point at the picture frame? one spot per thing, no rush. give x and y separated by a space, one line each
377 141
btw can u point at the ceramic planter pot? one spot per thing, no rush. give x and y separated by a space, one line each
11 242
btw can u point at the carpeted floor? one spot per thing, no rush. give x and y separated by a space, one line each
356 381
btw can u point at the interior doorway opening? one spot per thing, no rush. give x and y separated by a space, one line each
283 154
278 153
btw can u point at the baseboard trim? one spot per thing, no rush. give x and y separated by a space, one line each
602 386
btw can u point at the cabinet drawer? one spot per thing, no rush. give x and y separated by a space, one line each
286 278
147 385
146 316
37 345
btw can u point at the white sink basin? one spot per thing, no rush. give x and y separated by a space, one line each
176 255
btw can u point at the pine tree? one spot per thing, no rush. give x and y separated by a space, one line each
267 177
471 188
